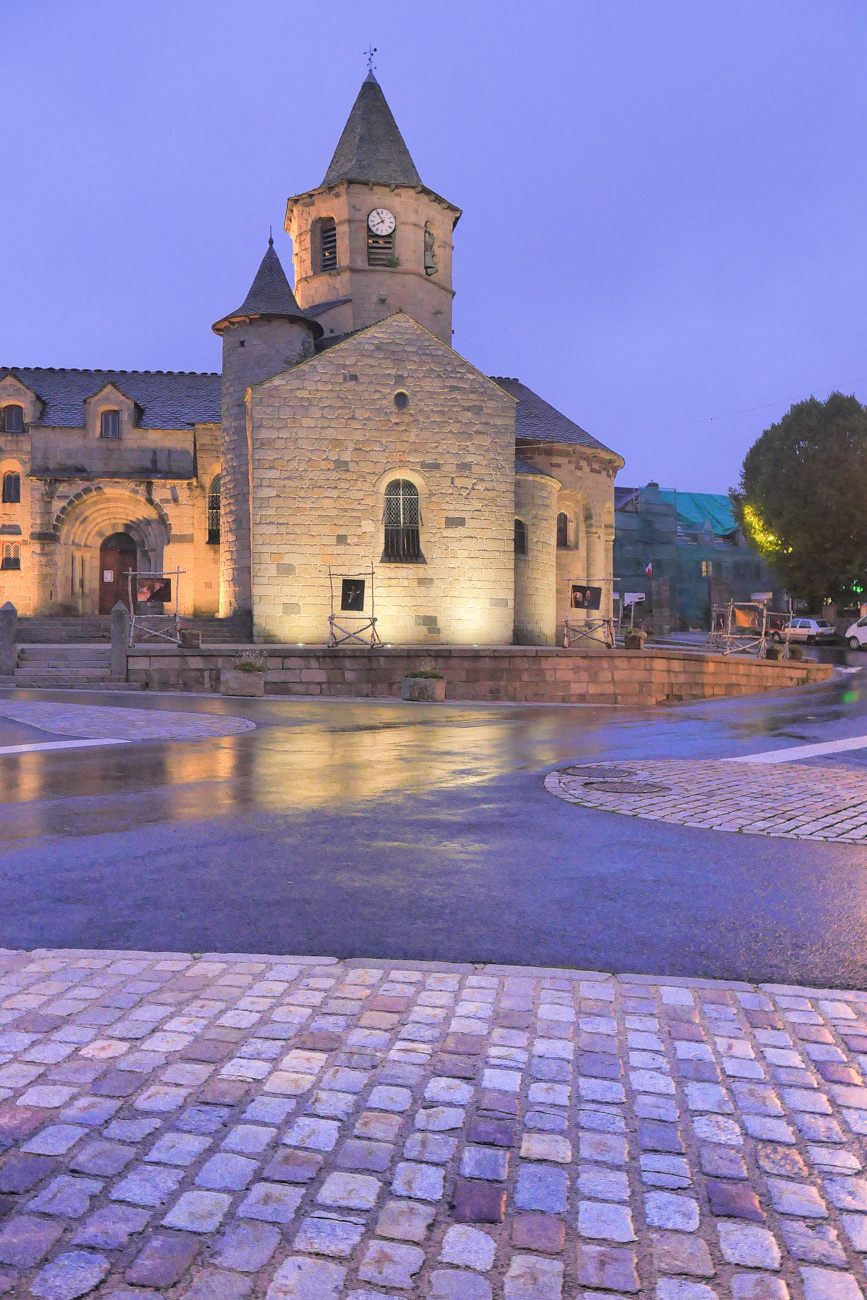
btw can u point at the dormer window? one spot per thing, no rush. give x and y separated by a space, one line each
328 245
12 418
109 424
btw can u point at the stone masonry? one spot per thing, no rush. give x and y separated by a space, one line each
536 570
331 427
302 1128
252 351
522 674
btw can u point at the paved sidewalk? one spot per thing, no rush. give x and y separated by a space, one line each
307 1129
802 803
101 721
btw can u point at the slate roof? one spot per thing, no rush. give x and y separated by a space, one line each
371 147
169 399
537 421
269 295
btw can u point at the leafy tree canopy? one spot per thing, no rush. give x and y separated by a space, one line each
803 498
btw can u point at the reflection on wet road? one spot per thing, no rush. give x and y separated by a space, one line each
424 831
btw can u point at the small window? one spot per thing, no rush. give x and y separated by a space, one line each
214 510
430 259
562 531
707 568
520 537
109 424
328 245
401 401
11 556
402 519
12 419
11 489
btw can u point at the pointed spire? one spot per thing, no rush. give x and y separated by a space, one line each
270 295
371 147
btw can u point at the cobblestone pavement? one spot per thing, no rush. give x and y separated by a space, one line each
803 803
100 721
306 1129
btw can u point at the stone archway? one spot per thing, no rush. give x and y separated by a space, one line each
88 519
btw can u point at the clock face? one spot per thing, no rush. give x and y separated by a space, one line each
381 221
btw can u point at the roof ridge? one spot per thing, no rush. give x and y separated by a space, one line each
101 370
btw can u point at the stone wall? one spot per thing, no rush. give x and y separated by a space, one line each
374 292
531 674
327 437
586 497
67 510
252 351
536 571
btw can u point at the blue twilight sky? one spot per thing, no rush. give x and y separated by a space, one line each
665 201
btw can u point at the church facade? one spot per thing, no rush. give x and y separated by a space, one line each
344 439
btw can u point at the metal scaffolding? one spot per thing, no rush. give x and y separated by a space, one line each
745 627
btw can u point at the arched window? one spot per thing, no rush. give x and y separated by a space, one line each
12 419
402 519
520 537
109 424
328 244
11 556
11 489
214 510
562 531
430 259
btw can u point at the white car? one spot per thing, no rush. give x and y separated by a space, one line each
811 630
856 635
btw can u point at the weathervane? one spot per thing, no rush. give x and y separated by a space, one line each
370 53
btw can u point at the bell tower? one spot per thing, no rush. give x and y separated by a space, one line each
373 239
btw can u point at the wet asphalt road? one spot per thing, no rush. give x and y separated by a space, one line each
424 831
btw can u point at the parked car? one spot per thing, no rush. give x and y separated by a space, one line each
856 635
811 630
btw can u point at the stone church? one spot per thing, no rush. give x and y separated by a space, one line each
344 439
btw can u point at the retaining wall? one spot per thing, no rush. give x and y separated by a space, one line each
532 674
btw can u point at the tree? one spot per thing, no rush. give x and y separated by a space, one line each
803 499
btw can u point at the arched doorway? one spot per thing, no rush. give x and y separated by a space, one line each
117 554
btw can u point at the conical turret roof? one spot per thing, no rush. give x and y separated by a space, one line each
269 295
371 147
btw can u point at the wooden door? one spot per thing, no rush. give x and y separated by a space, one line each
116 555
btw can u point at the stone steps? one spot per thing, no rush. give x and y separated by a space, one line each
64 656
70 679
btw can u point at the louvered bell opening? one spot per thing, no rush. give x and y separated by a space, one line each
328 246
380 250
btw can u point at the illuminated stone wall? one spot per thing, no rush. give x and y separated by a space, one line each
375 292
586 497
62 519
536 572
252 352
327 437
